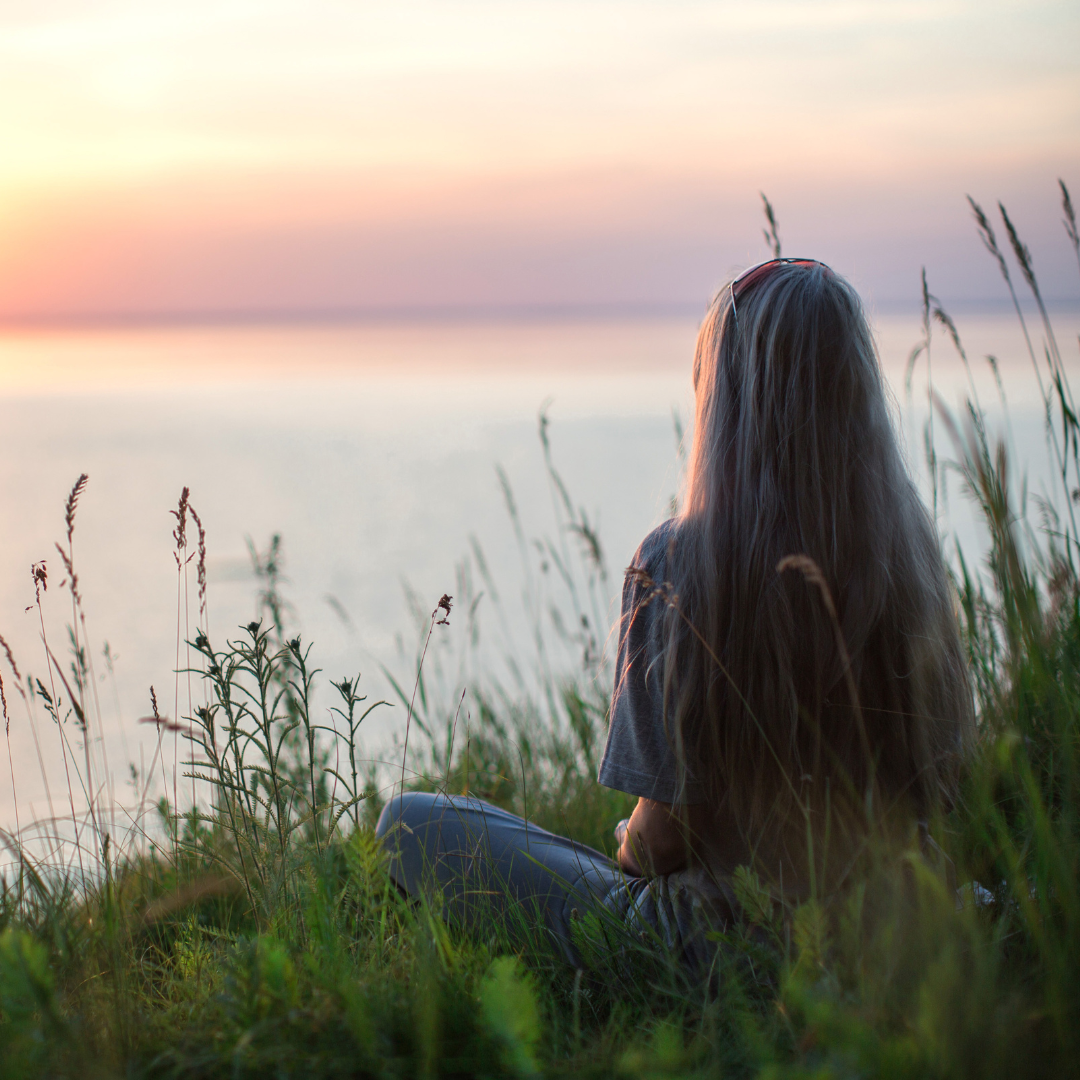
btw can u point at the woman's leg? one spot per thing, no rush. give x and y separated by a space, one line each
485 860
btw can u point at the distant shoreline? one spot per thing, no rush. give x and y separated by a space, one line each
523 313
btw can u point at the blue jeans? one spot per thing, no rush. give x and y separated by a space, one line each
479 858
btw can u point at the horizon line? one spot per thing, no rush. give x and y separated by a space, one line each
167 318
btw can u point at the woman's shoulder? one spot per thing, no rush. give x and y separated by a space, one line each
651 554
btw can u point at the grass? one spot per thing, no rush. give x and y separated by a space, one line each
257 933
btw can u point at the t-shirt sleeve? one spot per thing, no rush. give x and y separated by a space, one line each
638 757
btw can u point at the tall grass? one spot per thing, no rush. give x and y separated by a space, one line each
256 932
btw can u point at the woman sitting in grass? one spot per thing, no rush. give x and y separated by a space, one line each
789 681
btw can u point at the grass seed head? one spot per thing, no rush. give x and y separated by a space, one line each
1070 214
72 504
39 574
181 513
200 566
1020 249
72 577
10 658
445 603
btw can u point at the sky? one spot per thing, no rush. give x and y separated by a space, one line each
278 158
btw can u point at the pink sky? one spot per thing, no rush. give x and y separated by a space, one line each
167 158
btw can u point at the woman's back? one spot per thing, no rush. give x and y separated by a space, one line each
789 673
793 627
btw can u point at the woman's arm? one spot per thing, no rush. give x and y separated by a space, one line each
656 838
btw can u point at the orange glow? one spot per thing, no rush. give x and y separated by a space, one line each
163 157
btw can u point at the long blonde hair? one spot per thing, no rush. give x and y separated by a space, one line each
794 453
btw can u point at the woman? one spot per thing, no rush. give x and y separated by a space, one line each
789 677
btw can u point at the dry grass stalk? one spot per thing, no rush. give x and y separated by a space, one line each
444 605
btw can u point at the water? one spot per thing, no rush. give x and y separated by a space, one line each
372 450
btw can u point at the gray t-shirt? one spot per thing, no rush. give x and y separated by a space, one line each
638 756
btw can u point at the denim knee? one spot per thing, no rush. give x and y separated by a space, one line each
409 806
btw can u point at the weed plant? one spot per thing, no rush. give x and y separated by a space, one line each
257 932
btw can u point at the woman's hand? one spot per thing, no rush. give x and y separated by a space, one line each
653 840
620 832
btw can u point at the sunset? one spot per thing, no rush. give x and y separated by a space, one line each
256 158
540 539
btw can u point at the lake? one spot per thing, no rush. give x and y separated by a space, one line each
372 450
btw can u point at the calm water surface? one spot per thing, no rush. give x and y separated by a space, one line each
372 450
